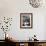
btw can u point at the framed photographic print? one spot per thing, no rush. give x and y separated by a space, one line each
26 20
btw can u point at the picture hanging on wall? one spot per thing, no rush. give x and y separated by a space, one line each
26 20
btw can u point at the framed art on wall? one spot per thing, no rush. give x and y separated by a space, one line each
26 20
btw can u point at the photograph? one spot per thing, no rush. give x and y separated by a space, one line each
26 20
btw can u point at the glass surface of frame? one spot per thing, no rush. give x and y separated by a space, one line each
26 20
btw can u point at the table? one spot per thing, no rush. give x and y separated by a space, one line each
26 42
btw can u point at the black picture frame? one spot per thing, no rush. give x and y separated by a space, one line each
26 20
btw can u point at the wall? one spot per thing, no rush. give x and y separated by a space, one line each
13 8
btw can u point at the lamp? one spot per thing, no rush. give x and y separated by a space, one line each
36 3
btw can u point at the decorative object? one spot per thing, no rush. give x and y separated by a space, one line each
26 20
36 3
35 38
6 24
